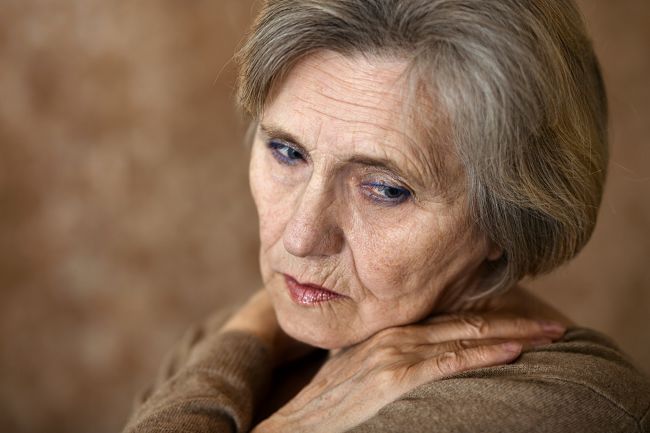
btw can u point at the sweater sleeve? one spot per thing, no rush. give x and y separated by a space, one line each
580 384
210 383
501 405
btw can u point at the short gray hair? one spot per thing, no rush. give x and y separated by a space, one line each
519 82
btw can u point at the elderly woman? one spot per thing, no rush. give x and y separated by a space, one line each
413 160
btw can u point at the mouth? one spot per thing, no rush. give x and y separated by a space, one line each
309 294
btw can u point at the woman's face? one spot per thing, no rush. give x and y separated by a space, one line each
357 232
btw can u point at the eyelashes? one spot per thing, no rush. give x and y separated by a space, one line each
381 193
386 194
284 153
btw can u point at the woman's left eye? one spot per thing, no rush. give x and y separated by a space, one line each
386 194
284 153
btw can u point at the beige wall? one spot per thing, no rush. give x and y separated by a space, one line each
125 213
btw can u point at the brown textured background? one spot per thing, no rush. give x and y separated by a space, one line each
125 212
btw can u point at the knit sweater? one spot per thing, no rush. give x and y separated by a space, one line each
219 382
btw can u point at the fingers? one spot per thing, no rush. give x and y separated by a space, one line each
425 351
526 344
470 326
454 362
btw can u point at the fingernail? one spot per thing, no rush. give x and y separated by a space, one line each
552 327
511 347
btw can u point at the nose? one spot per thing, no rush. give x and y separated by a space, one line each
313 229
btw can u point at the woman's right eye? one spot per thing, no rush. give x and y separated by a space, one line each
284 153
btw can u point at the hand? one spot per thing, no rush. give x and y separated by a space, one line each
357 381
257 317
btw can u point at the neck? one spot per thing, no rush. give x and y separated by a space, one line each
462 296
516 301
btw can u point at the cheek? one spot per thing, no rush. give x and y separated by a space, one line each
272 216
384 257
269 209
400 260
274 202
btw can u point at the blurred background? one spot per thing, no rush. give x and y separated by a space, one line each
125 213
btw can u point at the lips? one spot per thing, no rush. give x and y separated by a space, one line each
309 294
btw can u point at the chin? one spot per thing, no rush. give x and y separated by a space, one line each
314 336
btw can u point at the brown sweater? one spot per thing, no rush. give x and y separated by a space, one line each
215 382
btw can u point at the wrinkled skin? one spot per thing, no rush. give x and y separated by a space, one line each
324 208
356 381
352 201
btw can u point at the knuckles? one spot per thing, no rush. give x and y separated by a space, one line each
388 377
459 345
479 327
449 363
383 355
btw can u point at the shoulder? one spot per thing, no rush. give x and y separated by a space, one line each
195 336
581 383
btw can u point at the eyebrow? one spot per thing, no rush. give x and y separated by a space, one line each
274 131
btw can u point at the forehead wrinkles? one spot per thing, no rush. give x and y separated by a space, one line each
359 91
370 96
375 139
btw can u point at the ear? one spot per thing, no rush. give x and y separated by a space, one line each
494 252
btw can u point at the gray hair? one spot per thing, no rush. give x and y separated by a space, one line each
520 85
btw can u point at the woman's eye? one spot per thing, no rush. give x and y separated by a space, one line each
386 194
285 154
